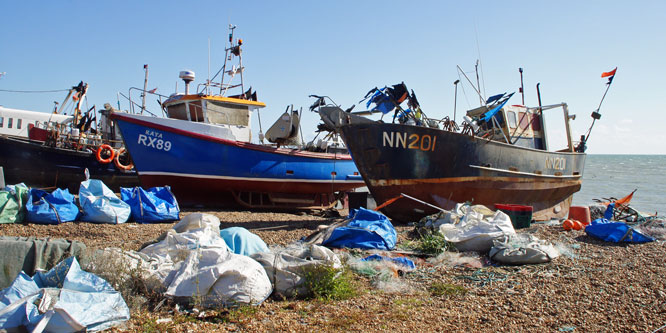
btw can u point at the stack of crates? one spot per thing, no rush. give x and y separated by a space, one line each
521 216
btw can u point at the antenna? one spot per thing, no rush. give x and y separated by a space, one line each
187 76
208 81
478 83
522 91
455 99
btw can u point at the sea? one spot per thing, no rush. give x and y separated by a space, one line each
616 176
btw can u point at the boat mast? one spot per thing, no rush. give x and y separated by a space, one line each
478 83
145 86
240 63
470 83
227 56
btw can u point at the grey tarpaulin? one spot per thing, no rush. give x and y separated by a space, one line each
30 254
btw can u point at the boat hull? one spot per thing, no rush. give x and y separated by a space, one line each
444 168
37 165
204 170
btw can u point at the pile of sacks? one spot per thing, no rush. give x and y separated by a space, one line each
197 263
96 203
479 229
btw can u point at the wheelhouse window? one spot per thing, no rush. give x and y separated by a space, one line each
18 123
226 113
524 120
2 122
511 118
9 122
536 122
179 111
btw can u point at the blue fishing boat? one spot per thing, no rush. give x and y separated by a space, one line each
202 150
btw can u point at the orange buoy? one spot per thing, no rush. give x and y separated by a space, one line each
567 224
107 150
119 164
577 225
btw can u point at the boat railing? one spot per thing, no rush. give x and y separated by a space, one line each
141 108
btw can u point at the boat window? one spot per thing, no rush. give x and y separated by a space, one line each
228 114
18 123
9 122
524 120
511 118
177 111
536 122
2 122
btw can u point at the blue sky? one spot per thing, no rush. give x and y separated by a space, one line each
345 48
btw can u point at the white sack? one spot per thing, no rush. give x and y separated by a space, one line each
476 229
286 267
522 249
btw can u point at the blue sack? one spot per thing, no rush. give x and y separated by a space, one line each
51 208
616 232
156 204
100 204
241 241
367 230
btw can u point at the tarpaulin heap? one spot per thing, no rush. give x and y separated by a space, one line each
365 229
474 228
616 232
64 299
193 264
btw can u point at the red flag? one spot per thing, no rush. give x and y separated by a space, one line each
152 91
607 74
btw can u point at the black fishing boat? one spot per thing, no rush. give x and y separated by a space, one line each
498 156
58 153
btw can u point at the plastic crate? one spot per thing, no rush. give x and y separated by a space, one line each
521 216
357 200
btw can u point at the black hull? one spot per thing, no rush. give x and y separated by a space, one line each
444 168
41 166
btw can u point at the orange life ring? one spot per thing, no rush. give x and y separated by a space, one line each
119 165
102 148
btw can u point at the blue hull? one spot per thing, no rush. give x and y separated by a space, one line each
205 170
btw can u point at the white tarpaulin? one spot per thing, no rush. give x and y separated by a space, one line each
474 228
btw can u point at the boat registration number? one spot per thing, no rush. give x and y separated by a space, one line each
154 142
557 163
423 142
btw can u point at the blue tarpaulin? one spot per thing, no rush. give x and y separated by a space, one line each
616 232
51 208
156 204
489 114
366 230
382 101
402 261
100 204
243 242
64 299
